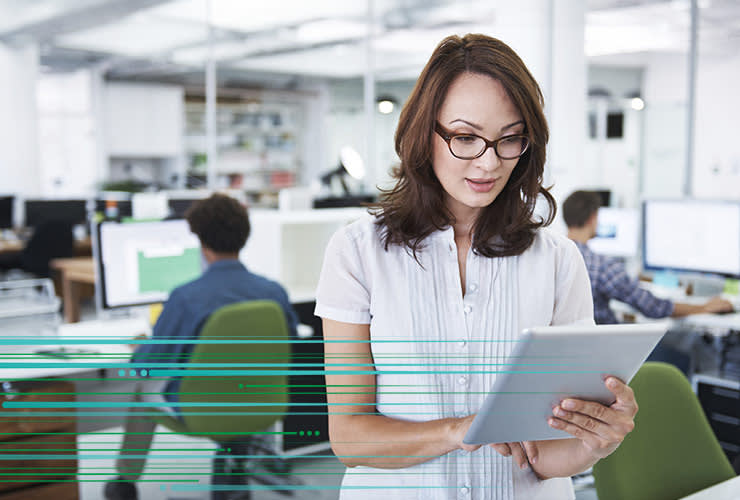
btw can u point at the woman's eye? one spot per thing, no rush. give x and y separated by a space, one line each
465 139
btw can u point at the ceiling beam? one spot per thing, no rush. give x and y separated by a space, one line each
79 19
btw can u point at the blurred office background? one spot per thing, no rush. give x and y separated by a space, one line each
112 109
100 94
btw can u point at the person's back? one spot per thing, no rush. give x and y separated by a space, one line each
222 226
609 278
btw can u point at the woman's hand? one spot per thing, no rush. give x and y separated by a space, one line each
600 428
523 453
459 429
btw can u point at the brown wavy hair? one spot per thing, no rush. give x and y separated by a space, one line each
414 208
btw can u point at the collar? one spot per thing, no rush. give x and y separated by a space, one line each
227 264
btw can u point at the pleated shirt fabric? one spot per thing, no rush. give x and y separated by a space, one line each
445 343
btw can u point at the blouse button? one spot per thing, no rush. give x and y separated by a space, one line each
462 343
473 287
462 380
464 490
467 309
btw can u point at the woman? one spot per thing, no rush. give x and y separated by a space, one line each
439 283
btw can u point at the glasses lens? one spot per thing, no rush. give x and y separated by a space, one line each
511 147
466 146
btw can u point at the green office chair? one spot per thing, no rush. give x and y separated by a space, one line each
672 452
256 320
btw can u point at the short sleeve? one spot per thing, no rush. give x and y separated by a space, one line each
342 293
573 300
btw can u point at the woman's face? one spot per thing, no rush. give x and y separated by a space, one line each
475 104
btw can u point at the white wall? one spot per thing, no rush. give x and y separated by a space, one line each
716 172
717 147
18 124
143 120
68 142
664 156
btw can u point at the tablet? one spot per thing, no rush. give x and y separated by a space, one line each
552 363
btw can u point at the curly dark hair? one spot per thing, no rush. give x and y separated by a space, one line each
579 207
414 208
220 223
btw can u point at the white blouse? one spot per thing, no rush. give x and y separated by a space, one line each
430 342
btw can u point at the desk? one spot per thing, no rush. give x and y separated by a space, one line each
11 246
37 433
726 490
76 274
82 248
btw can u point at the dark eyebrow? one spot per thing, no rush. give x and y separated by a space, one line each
480 128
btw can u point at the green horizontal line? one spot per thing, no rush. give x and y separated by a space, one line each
161 433
44 450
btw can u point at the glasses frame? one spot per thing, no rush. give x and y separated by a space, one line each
447 136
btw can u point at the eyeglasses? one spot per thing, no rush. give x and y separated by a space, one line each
471 146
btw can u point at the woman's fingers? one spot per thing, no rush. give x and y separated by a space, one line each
502 448
593 441
587 422
519 455
530 447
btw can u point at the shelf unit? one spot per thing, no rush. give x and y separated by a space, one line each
257 139
720 399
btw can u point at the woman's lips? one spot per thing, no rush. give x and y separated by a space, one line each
481 185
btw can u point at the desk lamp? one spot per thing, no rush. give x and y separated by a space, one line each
350 162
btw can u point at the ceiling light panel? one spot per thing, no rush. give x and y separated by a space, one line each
140 35
340 61
15 14
254 15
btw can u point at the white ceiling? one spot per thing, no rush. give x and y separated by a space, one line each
325 38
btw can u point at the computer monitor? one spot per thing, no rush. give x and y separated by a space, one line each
178 206
39 211
6 212
142 262
617 233
692 236
605 196
344 201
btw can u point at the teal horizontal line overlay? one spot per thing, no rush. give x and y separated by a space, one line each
15 415
129 340
153 455
293 487
260 373
192 404
52 364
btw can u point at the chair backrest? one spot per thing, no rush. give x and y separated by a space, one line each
267 350
672 452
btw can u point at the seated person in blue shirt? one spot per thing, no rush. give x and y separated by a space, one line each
222 226
609 278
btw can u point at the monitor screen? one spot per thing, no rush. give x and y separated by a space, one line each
692 235
178 206
6 212
617 233
39 211
142 262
